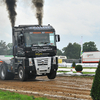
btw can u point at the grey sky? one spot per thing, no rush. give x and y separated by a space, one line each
70 18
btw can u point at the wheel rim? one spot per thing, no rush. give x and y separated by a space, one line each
20 74
3 73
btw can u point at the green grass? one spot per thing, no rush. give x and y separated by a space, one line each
62 67
63 71
83 67
88 72
89 67
6 95
76 72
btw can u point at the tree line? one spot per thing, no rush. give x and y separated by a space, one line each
73 51
5 49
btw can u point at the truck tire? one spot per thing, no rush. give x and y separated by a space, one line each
51 75
31 76
21 73
11 76
4 74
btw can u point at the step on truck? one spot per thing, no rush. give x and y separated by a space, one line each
34 53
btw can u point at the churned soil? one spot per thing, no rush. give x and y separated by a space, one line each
60 88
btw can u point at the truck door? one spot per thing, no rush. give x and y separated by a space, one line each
20 48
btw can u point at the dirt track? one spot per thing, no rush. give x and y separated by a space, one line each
62 88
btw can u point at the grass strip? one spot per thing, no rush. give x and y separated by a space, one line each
6 95
63 71
62 67
88 72
76 72
89 67
83 67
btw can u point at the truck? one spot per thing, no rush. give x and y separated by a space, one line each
34 53
91 57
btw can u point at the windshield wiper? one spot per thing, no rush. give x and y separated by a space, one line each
45 43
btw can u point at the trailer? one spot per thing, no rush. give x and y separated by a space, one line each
91 57
34 53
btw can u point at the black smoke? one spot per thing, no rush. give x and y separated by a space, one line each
11 5
39 9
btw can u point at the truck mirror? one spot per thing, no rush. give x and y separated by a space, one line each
57 38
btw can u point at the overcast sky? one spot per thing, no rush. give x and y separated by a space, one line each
72 19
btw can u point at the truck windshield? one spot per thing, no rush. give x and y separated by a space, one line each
39 39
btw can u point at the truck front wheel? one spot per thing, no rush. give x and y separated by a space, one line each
31 76
21 74
51 75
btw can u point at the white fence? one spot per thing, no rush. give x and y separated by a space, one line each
64 64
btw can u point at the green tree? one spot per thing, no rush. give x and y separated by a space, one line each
73 64
3 48
95 90
89 46
59 52
9 48
72 51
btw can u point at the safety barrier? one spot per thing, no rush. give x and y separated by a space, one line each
64 64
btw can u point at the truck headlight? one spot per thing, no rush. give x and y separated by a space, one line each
30 62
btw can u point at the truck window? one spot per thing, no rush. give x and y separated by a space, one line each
39 39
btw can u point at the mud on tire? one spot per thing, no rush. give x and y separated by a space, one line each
51 75
31 76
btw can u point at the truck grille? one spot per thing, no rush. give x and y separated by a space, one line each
42 62
42 65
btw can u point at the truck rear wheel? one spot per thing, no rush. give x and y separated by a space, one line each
51 75
4 74
21 74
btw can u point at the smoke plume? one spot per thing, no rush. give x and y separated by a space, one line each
11 5
39 9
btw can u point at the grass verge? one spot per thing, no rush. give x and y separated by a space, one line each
76 72
63 71
89 67
83 67
6 95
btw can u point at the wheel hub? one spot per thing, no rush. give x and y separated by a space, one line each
21 74
3 73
